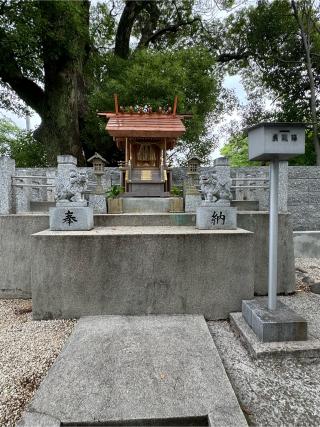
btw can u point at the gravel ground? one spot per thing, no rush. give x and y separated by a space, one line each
271 392
27 350
307 272
276 392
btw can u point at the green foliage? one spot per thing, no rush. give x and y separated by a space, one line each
114 191
267 39
176 191
21 146
236 150
153 78
307 159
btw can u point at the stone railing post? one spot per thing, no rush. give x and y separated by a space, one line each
23 195
66 164
51 179
7 171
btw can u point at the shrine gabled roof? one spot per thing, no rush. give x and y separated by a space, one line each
144 125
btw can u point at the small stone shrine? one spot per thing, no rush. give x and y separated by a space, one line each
98 200
215 211
71 211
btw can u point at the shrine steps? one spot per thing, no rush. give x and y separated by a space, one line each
148 204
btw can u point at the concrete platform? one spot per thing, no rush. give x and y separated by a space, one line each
155 370
16 245
141 270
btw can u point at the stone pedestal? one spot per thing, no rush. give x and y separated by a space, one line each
71 217
176 204
22 196
98 203
215 216
282 324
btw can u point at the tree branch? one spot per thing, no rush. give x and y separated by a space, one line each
127 20
150 25
173 28
10 73
227 57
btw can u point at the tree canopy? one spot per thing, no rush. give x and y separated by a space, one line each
275 45
66 59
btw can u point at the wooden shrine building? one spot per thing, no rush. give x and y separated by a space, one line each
145 137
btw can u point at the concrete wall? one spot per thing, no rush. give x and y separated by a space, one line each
16 253
258 223
136 271
304 197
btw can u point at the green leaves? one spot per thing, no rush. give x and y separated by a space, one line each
237 151
154 78
21 146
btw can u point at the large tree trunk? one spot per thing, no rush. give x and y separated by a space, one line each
59 129
64 104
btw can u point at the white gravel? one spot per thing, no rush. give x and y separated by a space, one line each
279 393
27 350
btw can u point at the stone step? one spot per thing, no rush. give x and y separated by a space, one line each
245 205
147 193
146 204
41 206
151 219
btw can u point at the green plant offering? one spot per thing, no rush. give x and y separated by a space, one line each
114 191
176 191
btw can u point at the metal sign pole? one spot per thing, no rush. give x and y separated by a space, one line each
273 235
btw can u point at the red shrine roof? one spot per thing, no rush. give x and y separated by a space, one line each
157 125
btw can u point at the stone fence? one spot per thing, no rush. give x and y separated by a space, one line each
299 191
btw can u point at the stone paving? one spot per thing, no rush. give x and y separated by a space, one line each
137 370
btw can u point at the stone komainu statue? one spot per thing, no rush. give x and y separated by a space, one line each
216 188
72 187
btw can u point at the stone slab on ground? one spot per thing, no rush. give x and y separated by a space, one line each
304 304
281 324
128 370
141 270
